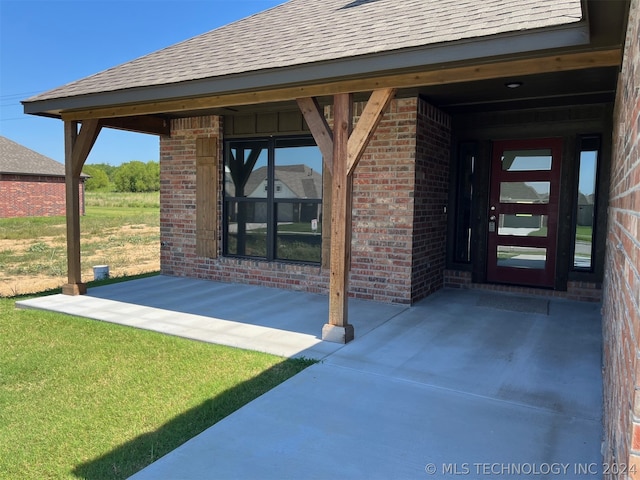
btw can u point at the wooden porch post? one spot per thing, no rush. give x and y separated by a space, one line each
338 329
76 149
342 150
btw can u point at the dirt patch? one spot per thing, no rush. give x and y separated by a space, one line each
30 266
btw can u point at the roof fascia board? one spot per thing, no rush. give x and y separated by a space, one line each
32 174
572 35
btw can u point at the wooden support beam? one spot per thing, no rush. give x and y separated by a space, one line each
367 124
83 144
327 185
76 149
314 116
74 284
148 124
338 329
433 76
346 147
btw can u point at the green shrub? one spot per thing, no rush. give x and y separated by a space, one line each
137 176
99 179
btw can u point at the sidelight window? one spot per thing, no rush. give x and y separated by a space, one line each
585 215
464 202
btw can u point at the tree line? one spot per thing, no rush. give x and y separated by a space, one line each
134 176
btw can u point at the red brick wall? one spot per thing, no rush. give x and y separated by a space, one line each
383 208
621 290
34 196
177 194
433 155
383 204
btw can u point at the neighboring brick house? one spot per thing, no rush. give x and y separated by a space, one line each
31 185
487 144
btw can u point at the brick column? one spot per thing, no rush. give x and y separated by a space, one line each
433 157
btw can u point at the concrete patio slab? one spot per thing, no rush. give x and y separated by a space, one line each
444 387
456 385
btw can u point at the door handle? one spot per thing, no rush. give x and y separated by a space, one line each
492 218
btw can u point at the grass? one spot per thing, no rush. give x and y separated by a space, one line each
541 232
295 242
32 227
301 227
87 399
119 229
584 234
123 199
103 211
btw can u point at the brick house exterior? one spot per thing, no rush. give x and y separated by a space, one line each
31 185
556 83
621 302
398 230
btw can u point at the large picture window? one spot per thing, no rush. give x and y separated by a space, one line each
273 199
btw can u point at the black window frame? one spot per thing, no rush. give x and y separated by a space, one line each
271 143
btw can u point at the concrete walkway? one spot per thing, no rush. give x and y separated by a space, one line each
281 322
464 382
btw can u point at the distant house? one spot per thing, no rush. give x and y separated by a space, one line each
299 185
31 185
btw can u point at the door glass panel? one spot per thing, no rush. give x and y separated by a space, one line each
523 225
524 192
527 160
522 257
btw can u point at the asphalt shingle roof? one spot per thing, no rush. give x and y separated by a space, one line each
302 31
18 159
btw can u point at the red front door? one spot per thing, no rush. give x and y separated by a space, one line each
523 212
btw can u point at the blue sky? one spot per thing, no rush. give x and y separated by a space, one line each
48 43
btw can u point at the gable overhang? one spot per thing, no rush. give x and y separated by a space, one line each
527 52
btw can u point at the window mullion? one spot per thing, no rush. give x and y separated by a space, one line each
271 207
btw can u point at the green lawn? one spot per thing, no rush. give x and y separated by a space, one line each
119 229
103 211
86 399
584 234
123 199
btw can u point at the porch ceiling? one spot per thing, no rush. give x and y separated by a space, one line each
547 89
578 87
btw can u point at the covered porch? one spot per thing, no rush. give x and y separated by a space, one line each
390 126
463 381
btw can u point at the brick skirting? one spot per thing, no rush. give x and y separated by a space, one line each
581 291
